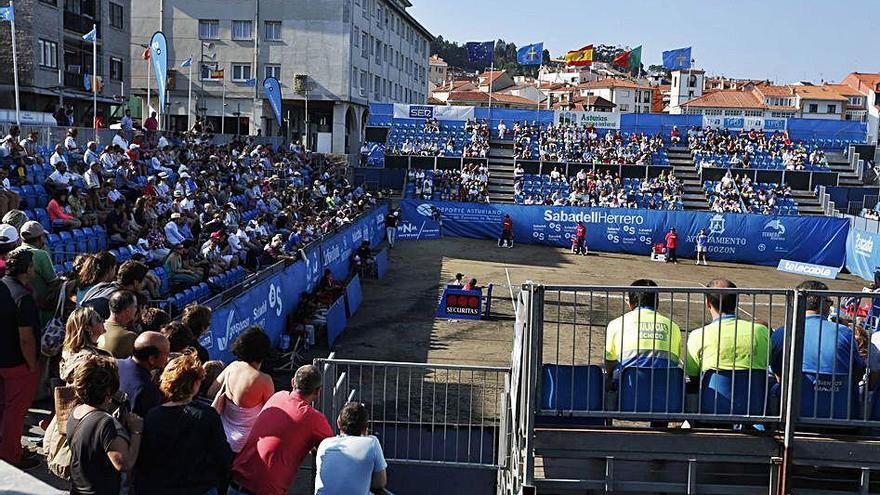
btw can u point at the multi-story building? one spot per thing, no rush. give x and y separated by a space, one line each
438 70
333 56
628 96
55 63
806 101
868 85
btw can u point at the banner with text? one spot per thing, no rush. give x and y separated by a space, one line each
336 251
745 123
439 112
599 120
756 239
863 253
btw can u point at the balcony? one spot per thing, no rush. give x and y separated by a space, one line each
80 24
74 80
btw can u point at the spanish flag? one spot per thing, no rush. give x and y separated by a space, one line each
580 58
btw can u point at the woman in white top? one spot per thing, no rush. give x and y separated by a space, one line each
241 389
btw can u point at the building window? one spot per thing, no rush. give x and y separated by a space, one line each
813 108
832 108
273 31
378 52
754 113
48 54
115 69
50 2
116 17
365 45
273 71
241 72
377 87
209 30
241 30
355 37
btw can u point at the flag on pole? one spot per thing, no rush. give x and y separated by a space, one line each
91 35
480 52
186 63
7 14
630 59
159 59
580 58
531 54
678 59
251 83
272 89
146 54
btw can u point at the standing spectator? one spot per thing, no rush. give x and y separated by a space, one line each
391 221
506 239
702 247
351 462
19 368
727 343
136 372
242 389
101 448
580 239
285 431
184 450
671 246
197 319
502 130
118 339
33 239
127 125
151 124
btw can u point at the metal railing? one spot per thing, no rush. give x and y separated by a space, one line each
424 413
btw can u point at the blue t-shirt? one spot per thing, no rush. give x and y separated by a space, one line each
828 348
346 465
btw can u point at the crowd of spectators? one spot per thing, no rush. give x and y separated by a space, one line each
739 194
871 214
584 144
594 189
470 184
477 144
138 404
747 149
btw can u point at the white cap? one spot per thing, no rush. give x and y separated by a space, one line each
8 234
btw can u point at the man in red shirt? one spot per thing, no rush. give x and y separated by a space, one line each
581 237
506 239
287 428
671 245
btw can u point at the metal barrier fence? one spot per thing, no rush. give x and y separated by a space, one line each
439 414
658 353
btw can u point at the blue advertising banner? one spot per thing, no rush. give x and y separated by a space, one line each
336 321
354 296
272 88
862 253
337 250
159 59
756 239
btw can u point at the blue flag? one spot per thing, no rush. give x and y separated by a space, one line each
7 14
91 35
250 83
159 58
480 52
272 88
87 82
678 59
186 63
531 54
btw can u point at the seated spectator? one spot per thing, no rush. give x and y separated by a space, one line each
101 448
136 372
184 449
8 242
153 319
178 273
351 462
197 320
9 199
95 275
285 431
118 339
242 389
130 276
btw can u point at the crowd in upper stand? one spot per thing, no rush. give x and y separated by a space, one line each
469 139
470 184
753 149
739 194
586 144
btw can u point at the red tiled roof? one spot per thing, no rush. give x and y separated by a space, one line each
727 98
610 83
489 76
768 90
818 93
481 96
868 79
843 89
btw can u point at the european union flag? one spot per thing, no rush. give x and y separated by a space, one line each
531 54
678 59
480 52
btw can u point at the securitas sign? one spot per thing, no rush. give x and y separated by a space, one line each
808 269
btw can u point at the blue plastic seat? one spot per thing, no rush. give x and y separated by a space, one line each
69 246
101 237
79 239
740 392
654 390
825 396
572 388
91 239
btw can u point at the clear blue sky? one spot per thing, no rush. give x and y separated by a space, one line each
784 40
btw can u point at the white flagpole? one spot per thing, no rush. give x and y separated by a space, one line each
189 96
95 80
15 66
223 105
149 61
491 73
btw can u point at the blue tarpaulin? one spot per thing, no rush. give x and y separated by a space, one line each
863 253
755 239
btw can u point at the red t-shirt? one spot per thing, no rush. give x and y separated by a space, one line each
506 224
671 240
151 124
581 231
285 431
56 212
